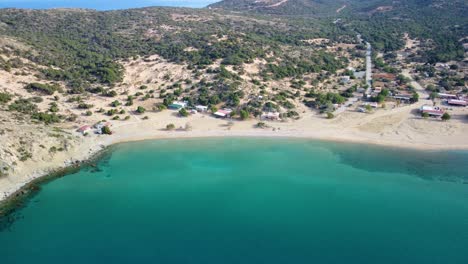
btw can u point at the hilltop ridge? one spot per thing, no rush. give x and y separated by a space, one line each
338 7
281 7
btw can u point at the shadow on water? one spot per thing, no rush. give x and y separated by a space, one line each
451 166
10 209
99 165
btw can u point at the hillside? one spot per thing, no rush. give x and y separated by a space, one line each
282 7
67 68
338 7
382 22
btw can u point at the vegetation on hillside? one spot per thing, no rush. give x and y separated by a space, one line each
78 53
381 22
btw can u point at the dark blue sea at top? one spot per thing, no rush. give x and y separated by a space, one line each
237 201
102 4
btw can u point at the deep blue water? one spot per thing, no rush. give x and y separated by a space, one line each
249 201
102 4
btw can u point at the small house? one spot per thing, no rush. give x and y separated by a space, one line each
223 113
84 129
100 125
457 102
271 116
201 108
177 105
403 97
345 79
447 96
431 111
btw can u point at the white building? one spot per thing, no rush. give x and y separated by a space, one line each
201 108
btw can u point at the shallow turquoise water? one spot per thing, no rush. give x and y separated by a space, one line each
249 201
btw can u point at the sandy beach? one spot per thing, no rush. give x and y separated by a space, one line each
398 127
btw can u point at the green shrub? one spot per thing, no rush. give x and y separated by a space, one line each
45 117
53 107
106 130
5 98
85 106
140 109
42 88
244 114
111 112
116 103
446 116
109 93
183 112
161 107
23 106
72 118
170 127
36 99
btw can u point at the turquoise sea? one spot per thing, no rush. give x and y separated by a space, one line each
249 200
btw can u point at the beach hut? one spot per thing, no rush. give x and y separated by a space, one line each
223 113
457 102
431 111
84 129
403 97
345 79
201 108
100 125
377 90
177 105
271 116
447 96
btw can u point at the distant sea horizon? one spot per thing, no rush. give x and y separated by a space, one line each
103 5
